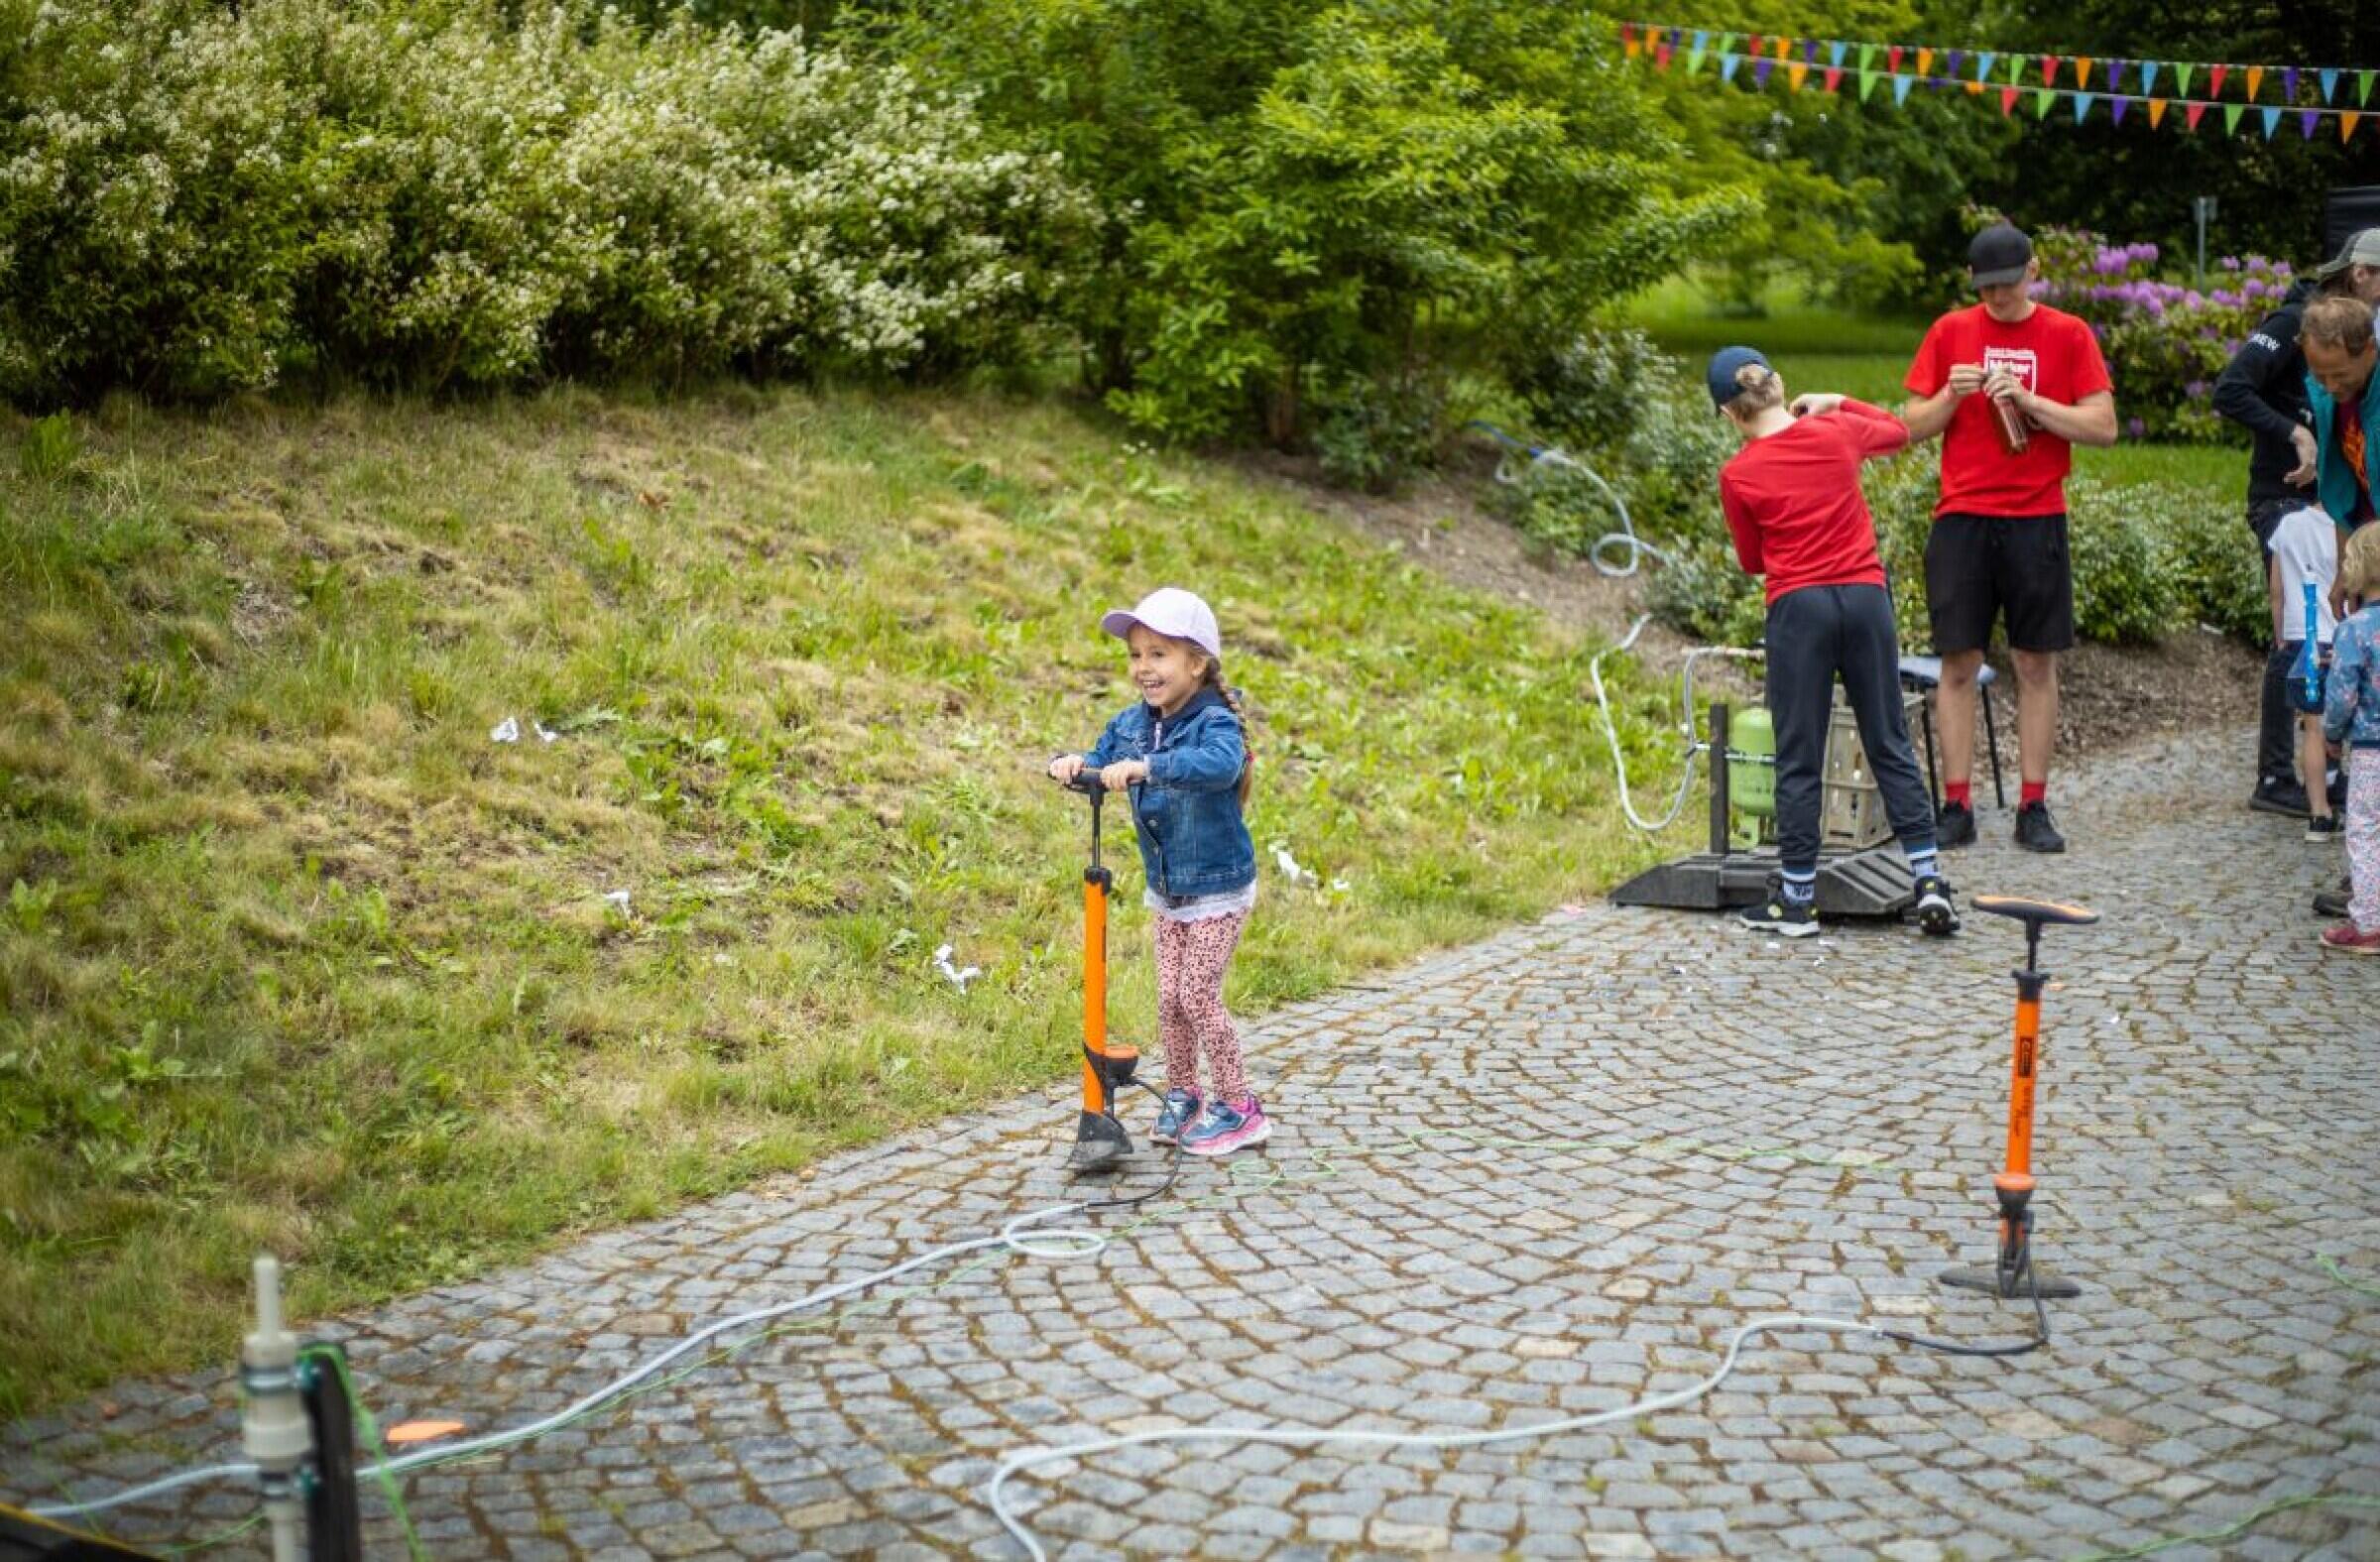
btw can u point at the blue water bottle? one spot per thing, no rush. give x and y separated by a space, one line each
2306 685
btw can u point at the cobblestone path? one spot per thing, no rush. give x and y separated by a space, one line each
1394 1258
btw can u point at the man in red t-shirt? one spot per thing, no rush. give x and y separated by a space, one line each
2011 386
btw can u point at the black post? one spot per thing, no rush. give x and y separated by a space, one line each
1719 777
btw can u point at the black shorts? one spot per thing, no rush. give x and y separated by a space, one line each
1978 567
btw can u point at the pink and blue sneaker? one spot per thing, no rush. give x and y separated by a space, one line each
1225 1127
1180 1111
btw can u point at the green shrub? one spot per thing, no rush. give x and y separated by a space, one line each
197 198
1589 390
2125 591
1368 191
1374 434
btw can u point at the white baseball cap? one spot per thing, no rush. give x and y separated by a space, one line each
1173 612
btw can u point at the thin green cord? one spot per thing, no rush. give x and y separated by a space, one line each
225 1538
380 1454
2330 1266
2240 1525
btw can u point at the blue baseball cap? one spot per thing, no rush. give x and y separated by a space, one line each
1722 374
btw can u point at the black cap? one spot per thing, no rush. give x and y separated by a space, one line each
2000 254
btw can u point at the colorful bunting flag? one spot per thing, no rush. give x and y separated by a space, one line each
2043 97
1892 58
1727 67
2082 70
2049 70
1867 58
1867 83
2289 84
2347 123
1983 63
2231 113
2330 84
2007 101
2305 119
1834 55
2363 88
2255 80
2148 76
2182 75
2272 121
2214 80
1834 79
1900 88
1794 74
2192 113
1925 61
2116 108
1956 54
2157 112
2083 102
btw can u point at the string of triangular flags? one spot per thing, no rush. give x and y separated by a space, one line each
2123 84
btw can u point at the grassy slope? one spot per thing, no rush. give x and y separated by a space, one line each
296 957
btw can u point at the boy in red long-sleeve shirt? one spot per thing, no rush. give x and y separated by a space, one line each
1793 505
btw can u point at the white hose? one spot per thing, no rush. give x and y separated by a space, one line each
1308 1436
1619 763
1638 548
1067 1242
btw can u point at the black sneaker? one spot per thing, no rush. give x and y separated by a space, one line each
2035 832
2330 903
2278 794
1773 913
2338 789
1937 910
1955 825
2325 827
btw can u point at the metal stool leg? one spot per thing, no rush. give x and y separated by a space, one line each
1991 731
1925 719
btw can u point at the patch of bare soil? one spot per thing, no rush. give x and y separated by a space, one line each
2111 696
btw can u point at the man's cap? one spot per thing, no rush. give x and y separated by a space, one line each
1722 374
1174 613
2361 250
2000 254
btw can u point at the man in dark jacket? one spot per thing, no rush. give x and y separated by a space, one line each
2264 389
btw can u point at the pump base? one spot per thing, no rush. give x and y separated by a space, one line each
1870 883
2011 1286
1100 1144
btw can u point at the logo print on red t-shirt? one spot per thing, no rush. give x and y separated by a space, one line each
2017 361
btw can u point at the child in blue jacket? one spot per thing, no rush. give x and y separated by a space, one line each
1181 751
2351 717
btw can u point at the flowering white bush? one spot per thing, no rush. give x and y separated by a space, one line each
194 201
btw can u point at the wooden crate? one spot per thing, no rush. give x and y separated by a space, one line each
1851 805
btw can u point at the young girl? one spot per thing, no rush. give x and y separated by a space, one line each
1182 754
2351 716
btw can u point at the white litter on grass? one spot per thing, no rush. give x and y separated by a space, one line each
545 734
958 978
1289 868
505 730
619 899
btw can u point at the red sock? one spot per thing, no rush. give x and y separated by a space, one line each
2034 791
1955 794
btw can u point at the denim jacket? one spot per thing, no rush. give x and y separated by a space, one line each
2351 706
1187 813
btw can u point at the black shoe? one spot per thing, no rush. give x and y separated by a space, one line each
1955 825
2278 794
1937 910
1773 913
2035 832
2338 789
2327 827
2330 903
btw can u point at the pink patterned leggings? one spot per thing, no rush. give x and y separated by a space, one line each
1191 1018
2363 838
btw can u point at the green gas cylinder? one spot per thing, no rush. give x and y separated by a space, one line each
1752 762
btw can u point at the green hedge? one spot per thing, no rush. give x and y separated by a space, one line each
196 199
